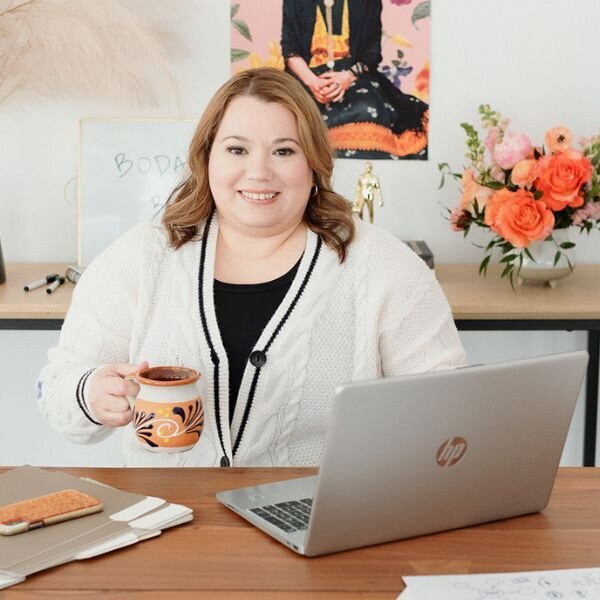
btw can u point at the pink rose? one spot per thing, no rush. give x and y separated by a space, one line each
525 172
459 219
513 148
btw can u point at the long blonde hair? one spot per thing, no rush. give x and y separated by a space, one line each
327 214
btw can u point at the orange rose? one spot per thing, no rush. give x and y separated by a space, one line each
518 217
558 139
472 190
525 172
561 178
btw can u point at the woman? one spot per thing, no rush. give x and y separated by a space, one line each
334 48
261 280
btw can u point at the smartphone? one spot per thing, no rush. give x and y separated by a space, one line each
41 511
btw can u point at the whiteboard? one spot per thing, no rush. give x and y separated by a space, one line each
127 170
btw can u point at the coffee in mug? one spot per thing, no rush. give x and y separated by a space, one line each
168 413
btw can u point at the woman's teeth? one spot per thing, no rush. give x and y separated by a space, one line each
253 196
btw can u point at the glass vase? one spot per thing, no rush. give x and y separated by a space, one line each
542 267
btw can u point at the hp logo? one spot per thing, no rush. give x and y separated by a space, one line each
451 451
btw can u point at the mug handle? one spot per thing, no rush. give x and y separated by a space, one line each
131 399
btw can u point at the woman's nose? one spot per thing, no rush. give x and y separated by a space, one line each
258 167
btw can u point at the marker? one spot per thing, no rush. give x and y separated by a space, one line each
54 285
40 282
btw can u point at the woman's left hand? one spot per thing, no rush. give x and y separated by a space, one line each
339 82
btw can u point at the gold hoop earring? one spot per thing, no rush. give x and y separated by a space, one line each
314 187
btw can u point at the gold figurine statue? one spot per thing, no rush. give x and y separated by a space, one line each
367 188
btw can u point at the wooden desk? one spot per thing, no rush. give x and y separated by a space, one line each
36 309
218 555
477 304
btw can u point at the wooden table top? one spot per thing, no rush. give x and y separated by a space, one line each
474 297
469 295
218 555
16 303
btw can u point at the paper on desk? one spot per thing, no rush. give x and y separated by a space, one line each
7 579
531 585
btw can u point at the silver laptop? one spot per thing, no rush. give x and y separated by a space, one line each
413 455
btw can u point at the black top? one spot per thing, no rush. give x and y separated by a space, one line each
243 311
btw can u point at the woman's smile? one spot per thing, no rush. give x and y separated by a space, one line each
260 197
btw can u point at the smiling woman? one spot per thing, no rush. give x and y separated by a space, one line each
260 279
260 180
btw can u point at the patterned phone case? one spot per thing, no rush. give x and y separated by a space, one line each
46 510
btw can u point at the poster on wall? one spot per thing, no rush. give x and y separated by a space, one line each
364 62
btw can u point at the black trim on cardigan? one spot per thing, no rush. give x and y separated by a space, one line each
81 400
214 356
270 342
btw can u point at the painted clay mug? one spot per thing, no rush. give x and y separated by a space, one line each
168 414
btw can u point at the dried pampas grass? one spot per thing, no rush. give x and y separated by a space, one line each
96 47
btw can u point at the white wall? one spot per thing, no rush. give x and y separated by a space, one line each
534 60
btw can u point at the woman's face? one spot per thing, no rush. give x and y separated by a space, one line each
258 173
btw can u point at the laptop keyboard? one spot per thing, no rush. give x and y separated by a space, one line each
287 516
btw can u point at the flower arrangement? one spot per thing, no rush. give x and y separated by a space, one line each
523 193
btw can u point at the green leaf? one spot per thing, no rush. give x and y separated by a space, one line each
234 9
508 258
507 269
399 54
557 257
421 11
484 265
495 185
529 254
242 28
567 245
238 54
537 194
396 63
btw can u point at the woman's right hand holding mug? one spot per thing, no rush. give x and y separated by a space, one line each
108 391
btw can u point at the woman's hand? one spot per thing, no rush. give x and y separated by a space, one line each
107 396
321 89
337 84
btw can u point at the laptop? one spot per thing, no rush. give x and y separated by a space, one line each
413 455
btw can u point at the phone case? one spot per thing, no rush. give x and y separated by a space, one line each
46 510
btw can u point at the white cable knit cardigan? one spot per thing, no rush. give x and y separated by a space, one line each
380 313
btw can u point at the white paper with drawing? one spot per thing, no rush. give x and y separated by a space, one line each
533 585
127 169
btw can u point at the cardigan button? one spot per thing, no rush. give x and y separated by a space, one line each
258 358
225 461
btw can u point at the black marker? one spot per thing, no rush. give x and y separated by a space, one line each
54 285
40 282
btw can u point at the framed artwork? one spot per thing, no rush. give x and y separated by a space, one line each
364 62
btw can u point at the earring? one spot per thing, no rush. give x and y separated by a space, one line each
314 190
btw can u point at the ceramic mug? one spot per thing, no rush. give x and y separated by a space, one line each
168 414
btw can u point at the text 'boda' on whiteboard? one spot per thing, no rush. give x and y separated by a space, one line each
127 170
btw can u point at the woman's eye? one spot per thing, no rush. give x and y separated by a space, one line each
284 151
236 150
